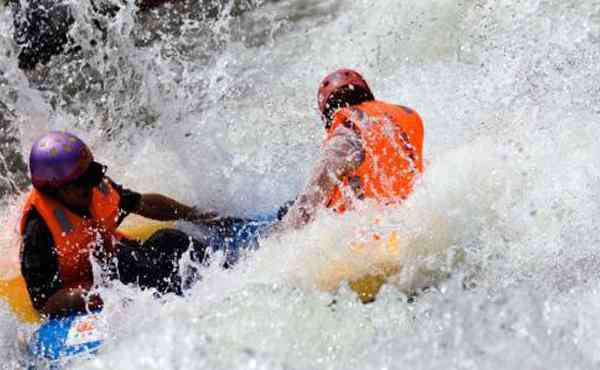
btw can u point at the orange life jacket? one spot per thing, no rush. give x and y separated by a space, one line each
75 236
392 138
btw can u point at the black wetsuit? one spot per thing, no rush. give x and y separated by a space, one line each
155 264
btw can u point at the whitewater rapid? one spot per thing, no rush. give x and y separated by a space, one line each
222 114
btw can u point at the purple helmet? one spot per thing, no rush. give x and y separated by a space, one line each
57 159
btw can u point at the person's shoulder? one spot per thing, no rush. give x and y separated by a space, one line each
394 106
345 139
346 131
405 111
129 199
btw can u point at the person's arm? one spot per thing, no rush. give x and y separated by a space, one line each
158 207
340 155
162 208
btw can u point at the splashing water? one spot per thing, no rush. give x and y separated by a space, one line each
220 112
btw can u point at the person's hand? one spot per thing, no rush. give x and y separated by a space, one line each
197 215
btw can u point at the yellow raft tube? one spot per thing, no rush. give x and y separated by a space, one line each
383 254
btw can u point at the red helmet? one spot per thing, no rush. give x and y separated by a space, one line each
337 80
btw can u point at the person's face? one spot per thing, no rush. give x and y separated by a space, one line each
76 195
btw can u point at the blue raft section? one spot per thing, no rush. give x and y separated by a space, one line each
234 235
58 341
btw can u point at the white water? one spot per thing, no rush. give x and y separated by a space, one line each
508 91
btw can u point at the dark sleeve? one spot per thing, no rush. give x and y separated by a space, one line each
130 200
39 263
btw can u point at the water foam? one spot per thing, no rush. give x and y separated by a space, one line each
508 92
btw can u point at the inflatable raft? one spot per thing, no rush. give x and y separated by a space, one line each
382 252
58 340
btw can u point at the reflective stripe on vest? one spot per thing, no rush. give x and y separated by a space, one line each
63 221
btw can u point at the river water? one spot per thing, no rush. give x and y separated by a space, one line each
219 111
